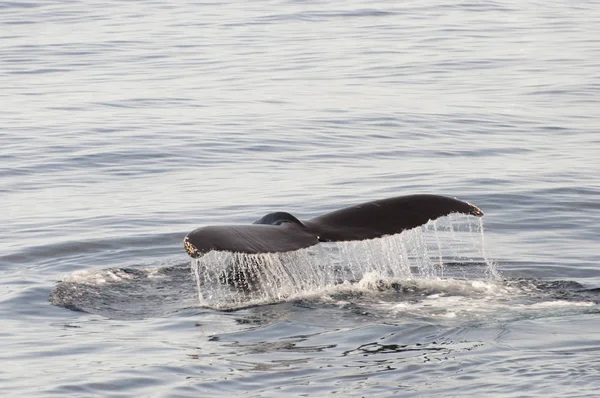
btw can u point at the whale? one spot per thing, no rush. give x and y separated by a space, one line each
282 232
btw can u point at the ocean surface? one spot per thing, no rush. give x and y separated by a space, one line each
125 125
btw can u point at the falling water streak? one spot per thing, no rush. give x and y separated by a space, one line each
259 276
305 258
428 269
347 258
328 265
305 277
195 270
245 276
403 266
453 240
405 260
233 280
372 254
415 250
491 265
471 232
269 268
439 246
390 254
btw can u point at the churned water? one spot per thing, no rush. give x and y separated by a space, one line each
125 125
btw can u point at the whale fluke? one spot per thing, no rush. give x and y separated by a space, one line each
282 232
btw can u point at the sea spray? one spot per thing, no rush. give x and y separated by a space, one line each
438 249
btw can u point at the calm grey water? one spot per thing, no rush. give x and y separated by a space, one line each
124 125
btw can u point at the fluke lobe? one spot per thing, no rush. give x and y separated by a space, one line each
282 232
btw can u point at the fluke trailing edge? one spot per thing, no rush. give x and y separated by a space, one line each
282 232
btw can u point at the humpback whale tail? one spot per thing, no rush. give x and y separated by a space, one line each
282 232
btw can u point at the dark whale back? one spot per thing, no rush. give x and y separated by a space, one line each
277 218
281 231
254 238
386 217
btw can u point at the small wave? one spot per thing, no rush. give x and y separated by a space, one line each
443 298
127 293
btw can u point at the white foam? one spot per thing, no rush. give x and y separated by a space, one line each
555 304
466 299
425 290
101 277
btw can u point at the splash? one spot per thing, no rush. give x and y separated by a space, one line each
449 247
